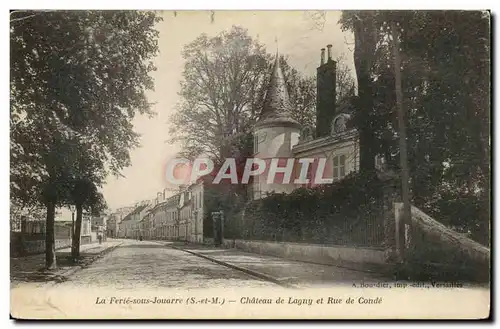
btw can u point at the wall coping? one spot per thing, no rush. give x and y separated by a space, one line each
312 244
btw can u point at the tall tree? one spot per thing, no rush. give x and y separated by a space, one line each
445 80
81 73
223 91
86 196
448 86
365 26
220 92
87 173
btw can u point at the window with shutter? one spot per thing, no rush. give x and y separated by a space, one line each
309 175
339 167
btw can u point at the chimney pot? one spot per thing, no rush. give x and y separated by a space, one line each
329 52
322 56
325 96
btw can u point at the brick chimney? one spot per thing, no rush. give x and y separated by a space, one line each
325 93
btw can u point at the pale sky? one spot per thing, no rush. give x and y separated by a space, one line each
299 38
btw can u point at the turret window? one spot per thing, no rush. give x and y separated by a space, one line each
258 139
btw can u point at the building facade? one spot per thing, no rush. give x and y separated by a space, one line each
129 227
98 226
112 225
159 221
172 217
195 222
145 224
326 153
185 213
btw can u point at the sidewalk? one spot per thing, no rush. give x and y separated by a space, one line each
32 268
282 271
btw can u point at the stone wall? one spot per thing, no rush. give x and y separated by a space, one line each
23 244
434 251
85 239
322 254
360 258
332 247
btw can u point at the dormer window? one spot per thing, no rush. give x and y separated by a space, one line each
306 134
339 124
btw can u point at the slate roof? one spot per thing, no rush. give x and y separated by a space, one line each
277 106
137 210
173 200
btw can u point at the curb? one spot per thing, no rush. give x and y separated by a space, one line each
388 271
350 266
256 274
385 270
76 268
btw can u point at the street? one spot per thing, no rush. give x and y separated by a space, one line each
150 264
148 279
147 264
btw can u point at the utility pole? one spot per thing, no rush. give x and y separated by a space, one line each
403 155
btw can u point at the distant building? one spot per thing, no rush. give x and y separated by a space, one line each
185 213
129 227
62 229
124 211
86 225
31 225
164 219
145 225
98 226
112 225
195 222
178 217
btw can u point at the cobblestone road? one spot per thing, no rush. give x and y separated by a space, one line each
295 273
146 264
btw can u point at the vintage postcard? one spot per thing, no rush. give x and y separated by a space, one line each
250 164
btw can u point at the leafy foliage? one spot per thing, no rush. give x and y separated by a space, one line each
223 91
348 212
445 71
78 78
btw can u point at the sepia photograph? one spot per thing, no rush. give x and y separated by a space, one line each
245 164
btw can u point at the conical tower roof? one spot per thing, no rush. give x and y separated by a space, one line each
277 106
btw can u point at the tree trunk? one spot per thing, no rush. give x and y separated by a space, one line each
364 55
50 245
75 247
403 155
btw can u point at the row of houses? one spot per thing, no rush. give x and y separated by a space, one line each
177 217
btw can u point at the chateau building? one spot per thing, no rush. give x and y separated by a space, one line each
331 146
334 147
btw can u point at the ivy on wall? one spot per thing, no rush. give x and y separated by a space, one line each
349 212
